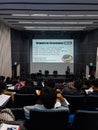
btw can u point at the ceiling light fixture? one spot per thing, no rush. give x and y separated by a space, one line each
25 22
53 15
76 27
75 15
42 15
20 15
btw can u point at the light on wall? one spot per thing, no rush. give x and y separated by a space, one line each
15 63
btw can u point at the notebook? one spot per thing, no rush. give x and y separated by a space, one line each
5 126
3 99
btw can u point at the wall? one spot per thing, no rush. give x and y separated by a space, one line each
20 51
85 47
88 49
5 51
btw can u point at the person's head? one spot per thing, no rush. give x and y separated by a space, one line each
29 82
94 83
2 78
27 90
50 83
2 87
8 80
48 97
78 84
23 81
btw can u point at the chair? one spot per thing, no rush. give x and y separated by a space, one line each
21 100
39 74
76 102
47 120
18 113
85 120
91 102
55 72
46 72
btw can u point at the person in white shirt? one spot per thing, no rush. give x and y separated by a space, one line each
51 100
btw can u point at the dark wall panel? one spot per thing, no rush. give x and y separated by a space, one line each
20 51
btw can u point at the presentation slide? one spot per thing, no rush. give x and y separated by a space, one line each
52 50
52 54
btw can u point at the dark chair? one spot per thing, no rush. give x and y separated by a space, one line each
18 113
39 74
46 72
55 72
85 120
76 102
91 102
46 120
21 100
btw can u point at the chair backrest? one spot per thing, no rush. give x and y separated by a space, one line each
76 102
48 120
46 72
85 120
21 100
55 72
91 102
18 113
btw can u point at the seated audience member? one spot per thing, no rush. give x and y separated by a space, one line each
2 78
21 83
8 80
89 90
93 90
29 82
3 90
86 83
50 83
15 80
40 82
74 89
51 100
94 85
27 90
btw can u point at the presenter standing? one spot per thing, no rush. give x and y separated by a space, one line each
67 71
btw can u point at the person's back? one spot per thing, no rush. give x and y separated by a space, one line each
94 85
21 83
74 89
27 90
3 90
51 100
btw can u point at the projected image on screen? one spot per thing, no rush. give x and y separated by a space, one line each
52 50
67 58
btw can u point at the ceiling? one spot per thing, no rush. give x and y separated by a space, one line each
70 15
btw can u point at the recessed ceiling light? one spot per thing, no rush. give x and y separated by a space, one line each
20 15
75 15
84 22
24 22
52 15
92 15
39 15
76 27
